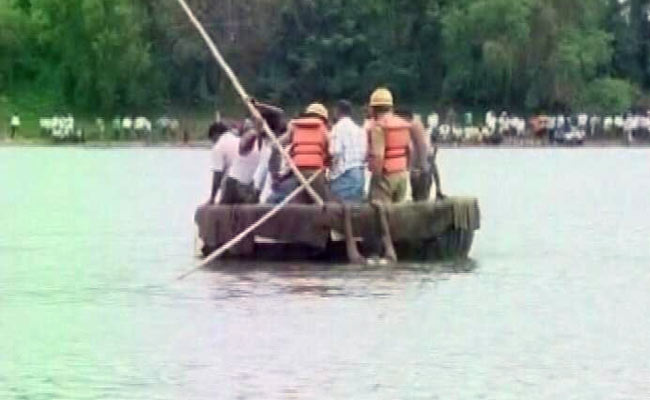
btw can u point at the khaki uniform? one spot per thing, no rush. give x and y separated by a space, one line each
385 188
389 188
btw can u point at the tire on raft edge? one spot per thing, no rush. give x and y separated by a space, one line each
452 244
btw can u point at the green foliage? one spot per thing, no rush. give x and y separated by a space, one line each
485 44
14 29
541 53
111 56
327 49
609 96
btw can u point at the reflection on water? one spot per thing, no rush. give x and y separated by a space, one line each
552 304
243 279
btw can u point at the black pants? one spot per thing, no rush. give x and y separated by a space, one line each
235 192
320 186
421 185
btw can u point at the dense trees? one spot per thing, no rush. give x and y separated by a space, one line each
108 55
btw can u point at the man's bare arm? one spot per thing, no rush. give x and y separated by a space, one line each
436 175
376 150
247 142
268 109
420 145
275 162
217 176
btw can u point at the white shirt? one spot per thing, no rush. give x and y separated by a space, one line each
491 121
631 123
433 120
261 180
348 147
15 121
45 123
262 170
444 130
56 127
244 167
127 123
582 119
224 152
141 124
607 122
503 123
521 126
618 121
68 125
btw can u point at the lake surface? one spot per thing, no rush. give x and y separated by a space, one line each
555 303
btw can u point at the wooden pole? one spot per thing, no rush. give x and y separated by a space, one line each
247 100
232 242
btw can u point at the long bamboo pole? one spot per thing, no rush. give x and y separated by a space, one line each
247 100
232 242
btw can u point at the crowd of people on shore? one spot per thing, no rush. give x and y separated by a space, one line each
558 128
139 128
61 128
64 128
448 127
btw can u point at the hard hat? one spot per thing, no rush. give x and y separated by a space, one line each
381 97
318 109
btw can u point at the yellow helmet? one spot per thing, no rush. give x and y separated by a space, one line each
381 97
318 109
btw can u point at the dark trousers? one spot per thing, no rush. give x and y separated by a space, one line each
320 186
421 185
235 192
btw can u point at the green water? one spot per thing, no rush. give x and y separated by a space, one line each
553 305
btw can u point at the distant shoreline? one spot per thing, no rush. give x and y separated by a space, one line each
103 144
204 144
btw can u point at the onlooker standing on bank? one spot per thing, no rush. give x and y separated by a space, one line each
349 149
15 124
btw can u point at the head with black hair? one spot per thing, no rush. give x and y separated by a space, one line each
343 109
276 122
216 130
404 113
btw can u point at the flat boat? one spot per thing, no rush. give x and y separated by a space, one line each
421 231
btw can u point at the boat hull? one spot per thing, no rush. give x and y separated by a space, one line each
428 231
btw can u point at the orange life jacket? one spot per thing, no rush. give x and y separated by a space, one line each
397 133
309 144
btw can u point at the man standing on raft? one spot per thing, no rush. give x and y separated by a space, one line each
308 138
390 139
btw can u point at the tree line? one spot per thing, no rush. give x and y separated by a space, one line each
527 55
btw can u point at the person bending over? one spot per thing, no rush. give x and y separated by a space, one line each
224 149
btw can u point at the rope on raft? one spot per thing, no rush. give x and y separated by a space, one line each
247 100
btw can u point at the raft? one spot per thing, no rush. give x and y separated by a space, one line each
421 231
